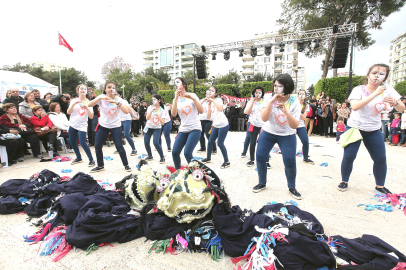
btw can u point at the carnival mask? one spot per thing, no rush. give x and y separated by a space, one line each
83 90
258 94
185 198
210 93
302 95
178 82
278 88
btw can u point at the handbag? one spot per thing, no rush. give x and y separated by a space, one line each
350 136
40 132
29 131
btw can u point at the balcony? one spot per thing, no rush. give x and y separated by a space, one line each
294 61
248 64
190 56
247 57
148 56
187 63
248 72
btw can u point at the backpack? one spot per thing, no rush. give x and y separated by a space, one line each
310 113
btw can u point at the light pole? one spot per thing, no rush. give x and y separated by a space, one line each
296 70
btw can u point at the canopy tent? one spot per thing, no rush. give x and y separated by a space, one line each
24 82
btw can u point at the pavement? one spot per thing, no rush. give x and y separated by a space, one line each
337 211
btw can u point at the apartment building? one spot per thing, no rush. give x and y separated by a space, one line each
176 59
49 66
397 60
276 63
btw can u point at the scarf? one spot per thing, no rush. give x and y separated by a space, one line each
18 119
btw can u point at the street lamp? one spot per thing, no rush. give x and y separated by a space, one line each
296 70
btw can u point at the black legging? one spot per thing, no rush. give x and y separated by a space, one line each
135 127
14 147
328 123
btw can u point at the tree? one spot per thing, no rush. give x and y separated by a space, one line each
159 74
231 78
259 77
117 62
188 76
303 15
310 92
17 67
270 77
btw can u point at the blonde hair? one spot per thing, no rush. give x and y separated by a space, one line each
26 95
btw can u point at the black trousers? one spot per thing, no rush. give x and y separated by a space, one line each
142 122
50 138
135 128
328 123
234 123
320 125
14 147
33 140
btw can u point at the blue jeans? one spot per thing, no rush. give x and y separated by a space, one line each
74 134
403 136
166 130
253 141
188 140
375 145
302 133
147 140
287 145
126 125
247 140
206 126
384 128
101 136
221 133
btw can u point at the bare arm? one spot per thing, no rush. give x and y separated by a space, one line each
248 110
266 112
359 104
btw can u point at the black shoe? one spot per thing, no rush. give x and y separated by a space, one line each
308 161
27 153
56 154
91 163
214 152
76 161
90 144
162 161
225 165
206 160
243 155
133 152
51 148
127 168
326 136
383 190
97 169
295 194
149 158
201 150
268 166
250 163
342 186
12 162
135 135
258 188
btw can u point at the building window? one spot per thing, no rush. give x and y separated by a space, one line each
188 46
290 57
267 59
259 67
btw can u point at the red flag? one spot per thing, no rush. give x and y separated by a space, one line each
63 42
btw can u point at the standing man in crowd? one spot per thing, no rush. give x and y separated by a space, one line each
42 102
234 117
15 98
142 110
92 123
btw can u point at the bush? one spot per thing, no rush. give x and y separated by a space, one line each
168 95
337 87
226 89
247 87
401 88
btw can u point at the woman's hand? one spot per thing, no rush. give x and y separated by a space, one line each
177 93
46 128
281 106
13 131
380 90
109 100
23 127
188 95
391 100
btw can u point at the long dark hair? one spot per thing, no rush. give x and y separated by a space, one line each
184 82
105 86
287 82
158 97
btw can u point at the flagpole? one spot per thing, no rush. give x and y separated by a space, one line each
60 80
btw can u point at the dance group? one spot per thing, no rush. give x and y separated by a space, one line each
274 120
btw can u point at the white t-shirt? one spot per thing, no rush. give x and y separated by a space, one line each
123 116
301 122
219 118
203 116
167 116
154 122
255 116
277 123
109 113
79 116
188 114
368 118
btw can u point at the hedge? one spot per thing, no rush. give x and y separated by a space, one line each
337 87
168 95
401 88
247 87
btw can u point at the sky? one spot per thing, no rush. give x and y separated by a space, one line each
100 30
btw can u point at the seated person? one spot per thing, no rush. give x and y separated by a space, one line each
44 128
11 119
14 147
61 122
26 106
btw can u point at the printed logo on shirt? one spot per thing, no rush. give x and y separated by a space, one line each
186 110
82 111
281 118
111 111
380 107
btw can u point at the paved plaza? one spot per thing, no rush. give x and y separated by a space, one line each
337 211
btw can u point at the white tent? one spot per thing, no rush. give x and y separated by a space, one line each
24 82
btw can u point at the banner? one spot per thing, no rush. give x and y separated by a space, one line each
242 101
23 88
